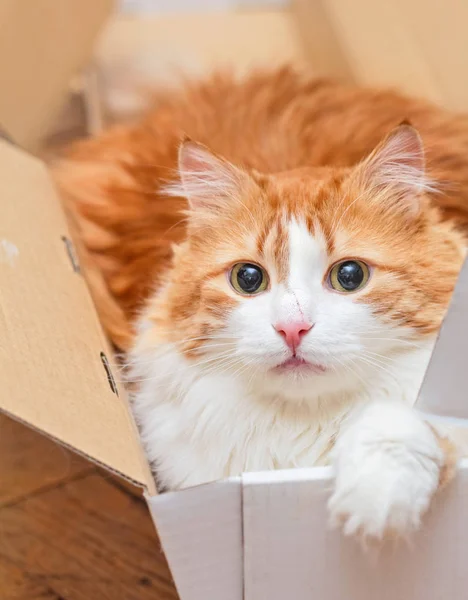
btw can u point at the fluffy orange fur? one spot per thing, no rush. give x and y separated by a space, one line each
409 286
295 138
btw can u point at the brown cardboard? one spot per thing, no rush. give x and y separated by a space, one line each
321 42
42 44
417 46
197 43
50 366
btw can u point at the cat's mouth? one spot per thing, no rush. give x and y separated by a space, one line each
295 363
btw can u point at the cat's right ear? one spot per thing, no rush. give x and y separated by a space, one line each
208 181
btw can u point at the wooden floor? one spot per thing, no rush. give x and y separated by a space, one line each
69 531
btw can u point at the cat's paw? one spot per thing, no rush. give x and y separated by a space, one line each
387 470
382 500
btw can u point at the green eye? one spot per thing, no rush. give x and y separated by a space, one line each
349 276
248 279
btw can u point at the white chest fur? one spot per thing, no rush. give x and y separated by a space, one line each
200 427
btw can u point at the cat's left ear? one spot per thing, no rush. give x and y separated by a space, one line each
396 169
209 182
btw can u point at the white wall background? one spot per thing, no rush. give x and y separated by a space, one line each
174 6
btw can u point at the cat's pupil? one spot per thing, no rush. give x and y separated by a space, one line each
350 275
249 278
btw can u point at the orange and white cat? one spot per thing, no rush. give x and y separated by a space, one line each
294 302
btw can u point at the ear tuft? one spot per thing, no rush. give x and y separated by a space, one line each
397 167
206 180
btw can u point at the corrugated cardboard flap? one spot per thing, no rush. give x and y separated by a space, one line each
52 347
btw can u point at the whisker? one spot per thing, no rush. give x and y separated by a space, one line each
389 339
353 372
139 362
373 363
224 355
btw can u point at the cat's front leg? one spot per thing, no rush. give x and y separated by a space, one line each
388 465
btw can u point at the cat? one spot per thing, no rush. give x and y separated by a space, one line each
279 281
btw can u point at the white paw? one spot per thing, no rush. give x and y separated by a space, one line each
382 496
385 478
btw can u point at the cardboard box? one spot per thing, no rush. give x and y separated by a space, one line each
42 45
417 46
173 44
253 537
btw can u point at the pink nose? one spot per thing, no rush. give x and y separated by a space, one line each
293 332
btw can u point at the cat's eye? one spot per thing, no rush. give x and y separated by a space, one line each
248 279
349 276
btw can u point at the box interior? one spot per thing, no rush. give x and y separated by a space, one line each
33 80
416 46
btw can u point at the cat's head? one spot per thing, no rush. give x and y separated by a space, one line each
306 277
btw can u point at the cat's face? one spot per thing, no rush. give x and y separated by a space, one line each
289 278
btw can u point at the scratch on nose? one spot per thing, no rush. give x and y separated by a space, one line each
298 305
